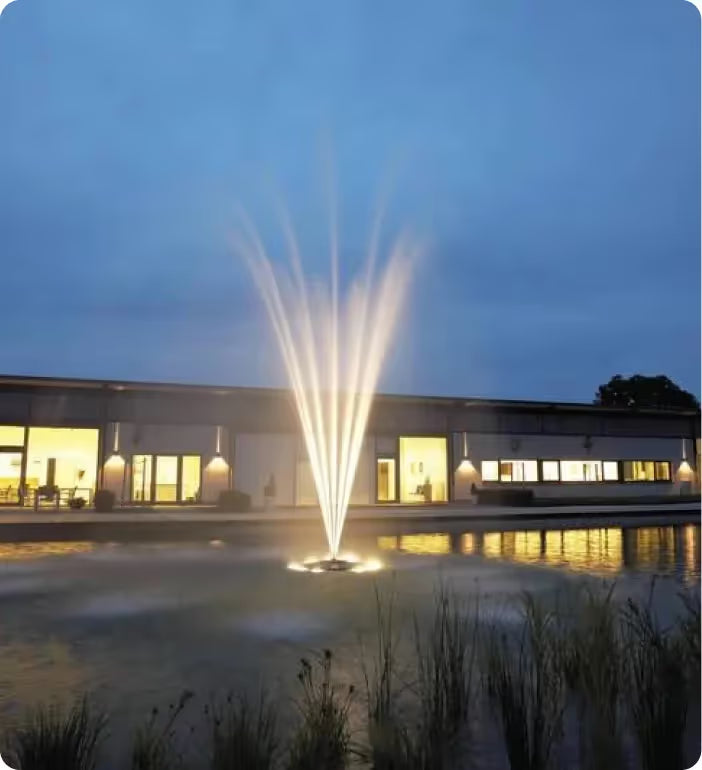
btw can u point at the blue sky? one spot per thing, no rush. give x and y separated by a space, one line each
548 152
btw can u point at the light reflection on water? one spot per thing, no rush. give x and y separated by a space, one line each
664 549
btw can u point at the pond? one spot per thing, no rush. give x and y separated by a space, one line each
135 621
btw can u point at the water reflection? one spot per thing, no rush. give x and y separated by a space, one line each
667 550
23 551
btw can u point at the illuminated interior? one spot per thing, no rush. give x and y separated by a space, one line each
550 470
63 457
581 470
423 469
166 478
166 490
646 470
10 475
11 436
519 470
489 470
190 478
386 479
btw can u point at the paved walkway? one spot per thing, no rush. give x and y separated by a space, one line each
371 513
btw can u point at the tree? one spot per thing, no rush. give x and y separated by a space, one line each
641 392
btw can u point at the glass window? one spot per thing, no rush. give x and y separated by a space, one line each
663 471
141 478
11 435
488 470
190 478
423 469
639 470
549 470
10 470
611 470
518 470
166 479
386 479
63 457
581 470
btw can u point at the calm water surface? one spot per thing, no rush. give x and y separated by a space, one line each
134 623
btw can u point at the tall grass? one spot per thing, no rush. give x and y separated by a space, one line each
55 739
656 689
154 745
322 739
243 734
390 746
525 683
446 658
594 659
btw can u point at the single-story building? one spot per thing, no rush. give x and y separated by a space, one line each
182 444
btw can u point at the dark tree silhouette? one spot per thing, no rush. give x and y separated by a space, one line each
641 392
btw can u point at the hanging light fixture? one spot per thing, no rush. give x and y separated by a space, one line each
466 465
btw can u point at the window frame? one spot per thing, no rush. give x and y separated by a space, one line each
655 479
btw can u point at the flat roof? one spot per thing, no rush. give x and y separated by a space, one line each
455 401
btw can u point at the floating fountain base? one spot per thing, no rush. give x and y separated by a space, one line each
341 564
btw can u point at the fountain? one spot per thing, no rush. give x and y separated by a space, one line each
333 350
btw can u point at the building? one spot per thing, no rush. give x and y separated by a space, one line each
180 444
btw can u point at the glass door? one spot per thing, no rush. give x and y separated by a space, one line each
10 476
386 485
141 478
166 488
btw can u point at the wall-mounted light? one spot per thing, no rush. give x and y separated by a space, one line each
115 460
685 472
466 465
218 463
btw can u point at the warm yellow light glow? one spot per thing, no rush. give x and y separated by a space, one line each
387 542
114 461
685 471
466 466
23 551
581 470
62 457
11 435
217 464
489 470
468 543
423 476
438 543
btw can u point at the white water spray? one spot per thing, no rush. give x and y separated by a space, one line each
333 349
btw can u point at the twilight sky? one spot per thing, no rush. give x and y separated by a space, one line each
547 152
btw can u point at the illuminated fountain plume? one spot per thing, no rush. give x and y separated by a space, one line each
333 352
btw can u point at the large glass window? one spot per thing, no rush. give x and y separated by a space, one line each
518 470
11 435
610 470
489 470
581 470
166 478
386 479
190 479
166 488
423 469
10 476
550 470
646 470
63 457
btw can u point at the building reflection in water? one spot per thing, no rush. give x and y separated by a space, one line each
24 551
669 549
